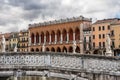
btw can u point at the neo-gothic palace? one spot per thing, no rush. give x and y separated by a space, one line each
59 35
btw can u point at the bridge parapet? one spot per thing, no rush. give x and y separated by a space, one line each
60 61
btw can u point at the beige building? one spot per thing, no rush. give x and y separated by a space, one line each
115 37
23 41
13 41
99 31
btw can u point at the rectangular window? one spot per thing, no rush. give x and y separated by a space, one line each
108 27
104 44
99 36
93 36
112 33
93 44
99 28
99 44
103 27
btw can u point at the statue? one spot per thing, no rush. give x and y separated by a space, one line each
74 46
43 48
3 43
108 46
15 48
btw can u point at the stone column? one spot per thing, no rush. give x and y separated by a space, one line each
67 37
50 39
61 38
34 40
39 39
44 39
81 38
55 38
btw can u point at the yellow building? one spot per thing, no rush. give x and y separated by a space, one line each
23 41
99 31
115 37
13 41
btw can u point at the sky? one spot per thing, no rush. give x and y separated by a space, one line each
15 15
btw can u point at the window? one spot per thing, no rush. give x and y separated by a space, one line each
103 35
99 36
99 28
93 28
112 33
93 44
103 44
103 28
93 36
108 27
99 44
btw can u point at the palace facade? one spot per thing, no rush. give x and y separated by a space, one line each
59 35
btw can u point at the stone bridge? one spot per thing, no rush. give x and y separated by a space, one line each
62 65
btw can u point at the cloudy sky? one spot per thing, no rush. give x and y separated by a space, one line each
15 15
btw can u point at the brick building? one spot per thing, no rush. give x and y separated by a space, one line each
58 35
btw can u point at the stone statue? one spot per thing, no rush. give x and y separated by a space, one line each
108 46
3 43
43 47
15 49
74 46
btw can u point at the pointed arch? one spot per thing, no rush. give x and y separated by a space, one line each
64 49
70 34
47 49
77 50
58 35
32 37
64 35
52 49
70 49
77 34
37 37
47 36
42 37
58 49
52 36
32 50
37 50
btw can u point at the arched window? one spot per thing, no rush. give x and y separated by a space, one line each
42 37
77 50
71 49
64 49
52 49
53 36
32 50
58 49
37 50
32 38
47 36
47 49
71 35
77 34
58 35
37 38
64 35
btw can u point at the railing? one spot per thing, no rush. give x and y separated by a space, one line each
60 61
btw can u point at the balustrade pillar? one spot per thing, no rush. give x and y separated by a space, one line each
50 39
44 78
61 38
67 37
